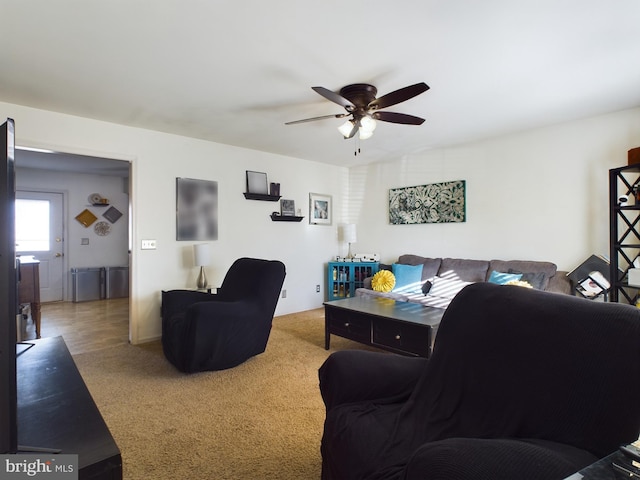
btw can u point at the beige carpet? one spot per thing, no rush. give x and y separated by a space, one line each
260 420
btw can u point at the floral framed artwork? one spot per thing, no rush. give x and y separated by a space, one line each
443 202
320 209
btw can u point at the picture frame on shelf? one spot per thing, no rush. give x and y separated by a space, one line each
320 209
257 183
287 208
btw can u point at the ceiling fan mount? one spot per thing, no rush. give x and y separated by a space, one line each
360 102
360 94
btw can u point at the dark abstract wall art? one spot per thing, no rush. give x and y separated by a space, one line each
196 209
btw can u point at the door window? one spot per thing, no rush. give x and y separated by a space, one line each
32 226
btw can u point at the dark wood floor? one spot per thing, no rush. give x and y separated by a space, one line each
85 326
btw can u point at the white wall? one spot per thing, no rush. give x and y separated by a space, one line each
244 227
102 251
541 194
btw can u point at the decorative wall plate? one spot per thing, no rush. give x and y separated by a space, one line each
86 218
102 228
95 198
113 214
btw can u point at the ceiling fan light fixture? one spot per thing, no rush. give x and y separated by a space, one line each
361 105
368 123
364 135
346 128
367 126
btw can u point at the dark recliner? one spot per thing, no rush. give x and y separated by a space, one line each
522 385
203 331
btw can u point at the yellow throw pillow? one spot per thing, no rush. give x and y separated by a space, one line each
383 281
519 283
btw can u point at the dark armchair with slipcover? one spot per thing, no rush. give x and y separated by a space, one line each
522 385
203 331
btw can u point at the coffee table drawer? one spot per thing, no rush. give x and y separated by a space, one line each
414 339
345 325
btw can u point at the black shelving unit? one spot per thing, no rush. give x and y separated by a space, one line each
261 196
624 231
285 218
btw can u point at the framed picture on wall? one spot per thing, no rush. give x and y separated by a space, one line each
443 202
319 209
196 209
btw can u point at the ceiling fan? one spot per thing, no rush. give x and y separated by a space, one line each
363 108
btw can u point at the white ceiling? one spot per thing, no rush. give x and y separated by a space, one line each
235 71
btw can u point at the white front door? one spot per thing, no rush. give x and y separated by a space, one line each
39 232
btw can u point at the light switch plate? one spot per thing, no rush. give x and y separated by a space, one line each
148 245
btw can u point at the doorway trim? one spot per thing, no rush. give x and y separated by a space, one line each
42 148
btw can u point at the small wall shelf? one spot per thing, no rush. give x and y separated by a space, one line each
285 218
261 196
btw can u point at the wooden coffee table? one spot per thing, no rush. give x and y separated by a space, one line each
399 327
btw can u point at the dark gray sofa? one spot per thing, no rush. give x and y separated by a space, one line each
447 276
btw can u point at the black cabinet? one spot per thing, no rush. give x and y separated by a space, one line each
56 411
624 230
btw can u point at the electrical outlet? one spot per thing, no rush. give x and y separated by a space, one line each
148 245
317 288
284 294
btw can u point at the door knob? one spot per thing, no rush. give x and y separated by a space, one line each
58 255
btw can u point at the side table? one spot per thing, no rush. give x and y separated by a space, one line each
29 288
207 289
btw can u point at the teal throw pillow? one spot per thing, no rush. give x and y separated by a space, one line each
408 278
501 278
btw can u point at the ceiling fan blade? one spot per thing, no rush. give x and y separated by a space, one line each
394 117
313 119
335 98
399 96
